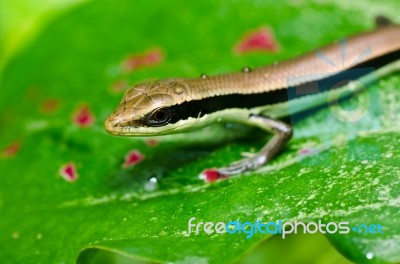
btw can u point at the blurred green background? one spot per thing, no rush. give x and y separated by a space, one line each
22 20
108 208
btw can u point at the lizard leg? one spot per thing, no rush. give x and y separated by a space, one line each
281 131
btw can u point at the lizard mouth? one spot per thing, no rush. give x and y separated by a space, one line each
121 127
117 126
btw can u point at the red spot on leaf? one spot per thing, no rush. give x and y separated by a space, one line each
211 175
11 150
303 151
149 58
68 172
306 152
132 158
151 142
50 105
119 86
258 40
83 117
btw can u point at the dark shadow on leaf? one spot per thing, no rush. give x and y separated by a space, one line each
165 162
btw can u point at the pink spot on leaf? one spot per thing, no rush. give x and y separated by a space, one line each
11 150
50 105
83 117
68 172
262 40
306 152
151 142
211 175
149 58
132 158
119 86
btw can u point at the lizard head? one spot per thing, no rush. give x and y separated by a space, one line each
147 109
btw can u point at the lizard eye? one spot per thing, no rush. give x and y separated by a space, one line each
159 117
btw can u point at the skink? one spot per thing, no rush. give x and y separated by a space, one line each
256 97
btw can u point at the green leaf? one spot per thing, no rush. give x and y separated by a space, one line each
351 173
